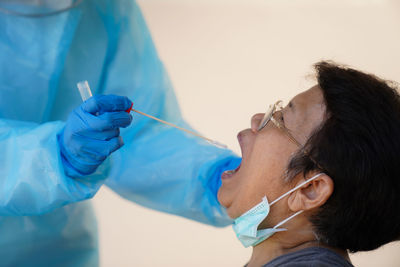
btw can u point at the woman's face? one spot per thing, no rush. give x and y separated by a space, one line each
266 154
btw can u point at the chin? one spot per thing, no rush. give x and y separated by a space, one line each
226 204
221 196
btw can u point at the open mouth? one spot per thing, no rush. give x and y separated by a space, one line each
229 174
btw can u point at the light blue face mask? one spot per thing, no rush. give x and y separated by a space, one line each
246 226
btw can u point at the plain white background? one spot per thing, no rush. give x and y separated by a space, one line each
228 60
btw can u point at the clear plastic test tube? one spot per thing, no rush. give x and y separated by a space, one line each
84 90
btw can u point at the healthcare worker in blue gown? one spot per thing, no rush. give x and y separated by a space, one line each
55 150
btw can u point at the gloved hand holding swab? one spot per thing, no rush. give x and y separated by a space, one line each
86 93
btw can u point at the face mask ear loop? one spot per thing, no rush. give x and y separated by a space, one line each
294 189
288 219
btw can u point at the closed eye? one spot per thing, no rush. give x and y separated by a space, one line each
280 118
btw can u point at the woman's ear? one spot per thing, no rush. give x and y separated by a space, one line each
312 195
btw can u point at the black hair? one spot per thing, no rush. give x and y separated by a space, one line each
358 146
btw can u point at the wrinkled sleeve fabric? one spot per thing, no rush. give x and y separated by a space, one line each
32 179
167 170
159 167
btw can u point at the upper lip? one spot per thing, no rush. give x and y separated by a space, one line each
240 140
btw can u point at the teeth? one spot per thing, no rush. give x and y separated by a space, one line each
230 172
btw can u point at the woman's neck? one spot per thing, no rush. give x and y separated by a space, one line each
273 248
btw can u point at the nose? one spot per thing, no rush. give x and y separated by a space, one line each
255 121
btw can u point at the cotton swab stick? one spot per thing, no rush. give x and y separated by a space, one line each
86 93
180 128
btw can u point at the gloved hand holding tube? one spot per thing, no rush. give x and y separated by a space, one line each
86 93
92 133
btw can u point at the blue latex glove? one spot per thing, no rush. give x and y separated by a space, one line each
92 133
107 43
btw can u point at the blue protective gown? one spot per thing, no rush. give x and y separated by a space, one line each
42 222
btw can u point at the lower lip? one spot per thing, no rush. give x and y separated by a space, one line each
228 174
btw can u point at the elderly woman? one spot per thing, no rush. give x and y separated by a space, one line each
320 177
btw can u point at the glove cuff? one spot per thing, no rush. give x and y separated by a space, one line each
69 169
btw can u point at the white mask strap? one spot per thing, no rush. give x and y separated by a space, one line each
288 219
294 189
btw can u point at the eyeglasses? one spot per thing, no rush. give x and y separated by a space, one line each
275 115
